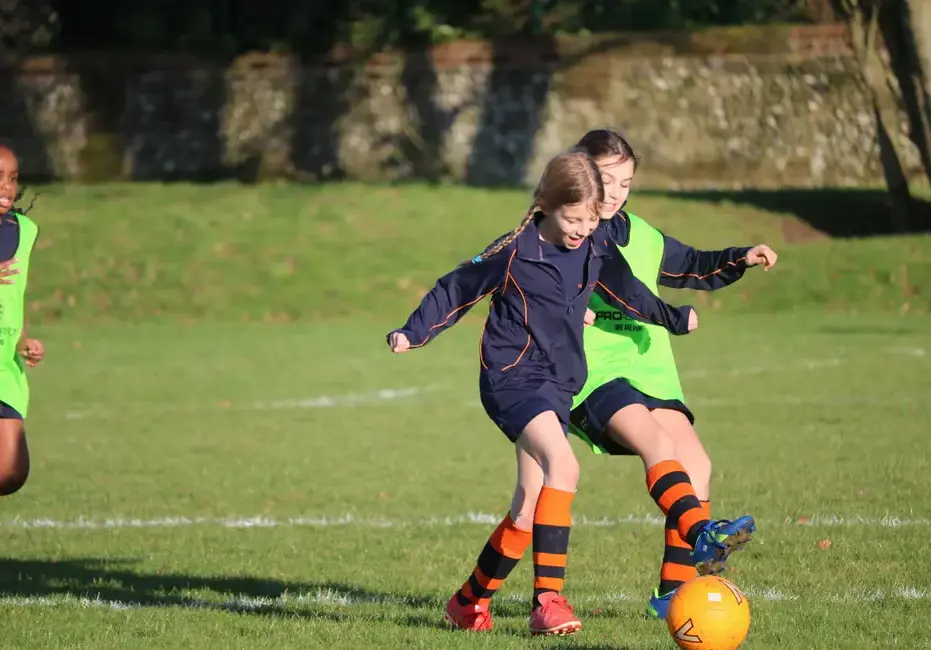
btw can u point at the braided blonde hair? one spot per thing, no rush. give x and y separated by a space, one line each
569 178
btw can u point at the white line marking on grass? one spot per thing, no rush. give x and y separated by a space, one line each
471 518
322 401
397 394
383 395
771 594
246 604
889 521
806 364
394 394
854 596
785 400
907 352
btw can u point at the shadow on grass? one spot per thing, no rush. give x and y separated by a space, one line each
110 583
835 212
115 584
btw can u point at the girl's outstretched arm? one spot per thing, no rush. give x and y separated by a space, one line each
450 299
685 267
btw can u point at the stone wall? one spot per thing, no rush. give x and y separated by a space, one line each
745 107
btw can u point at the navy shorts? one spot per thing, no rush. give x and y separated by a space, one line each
512 409
7 412
592 415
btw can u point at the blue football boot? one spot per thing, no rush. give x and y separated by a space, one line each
717 540
659 605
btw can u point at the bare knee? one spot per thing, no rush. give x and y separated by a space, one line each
662 446
544 441
635 428
689 449
653 444
562 472
12 479
14 457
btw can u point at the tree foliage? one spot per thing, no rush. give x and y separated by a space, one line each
303 25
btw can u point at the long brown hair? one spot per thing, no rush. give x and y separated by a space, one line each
569 178
601 143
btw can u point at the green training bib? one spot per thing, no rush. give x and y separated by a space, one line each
617 346
14 388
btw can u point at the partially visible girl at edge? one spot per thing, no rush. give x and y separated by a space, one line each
540 277
18 235
632 402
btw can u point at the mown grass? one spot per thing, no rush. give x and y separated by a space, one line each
286 253
225 454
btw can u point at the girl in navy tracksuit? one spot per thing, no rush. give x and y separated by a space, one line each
540 277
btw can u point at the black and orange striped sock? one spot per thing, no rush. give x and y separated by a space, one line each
501 554
552 522
671 488
678 564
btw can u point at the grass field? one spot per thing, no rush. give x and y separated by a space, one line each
287 253
203 478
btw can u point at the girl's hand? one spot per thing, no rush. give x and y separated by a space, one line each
398 342
32 351
693 320
7 272
762 254
589 316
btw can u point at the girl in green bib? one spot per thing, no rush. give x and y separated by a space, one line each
17 237
632 403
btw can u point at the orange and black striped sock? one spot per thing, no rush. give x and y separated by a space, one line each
671 488
501 554
678 564
552 522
